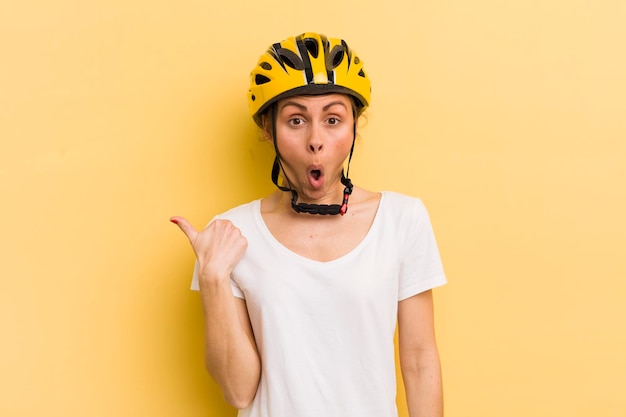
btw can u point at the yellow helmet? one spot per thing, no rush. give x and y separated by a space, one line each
309 63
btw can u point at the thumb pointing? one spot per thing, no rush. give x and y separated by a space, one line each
185 226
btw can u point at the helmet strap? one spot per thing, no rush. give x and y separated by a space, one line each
323 209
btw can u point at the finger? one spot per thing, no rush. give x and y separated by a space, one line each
185 226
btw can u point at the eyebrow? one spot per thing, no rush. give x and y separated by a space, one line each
304 108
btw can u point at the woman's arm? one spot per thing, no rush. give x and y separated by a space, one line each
419 359
231 355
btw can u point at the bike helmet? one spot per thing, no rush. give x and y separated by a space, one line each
309 63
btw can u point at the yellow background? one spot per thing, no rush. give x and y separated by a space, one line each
506 117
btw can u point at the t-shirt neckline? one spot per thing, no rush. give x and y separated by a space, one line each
269 237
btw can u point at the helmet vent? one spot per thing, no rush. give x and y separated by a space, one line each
266 66
311 46
335 57
261 79
290 59
362 73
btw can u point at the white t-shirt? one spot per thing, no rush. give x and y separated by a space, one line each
325 330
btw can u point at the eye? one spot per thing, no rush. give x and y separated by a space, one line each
332 121
296 121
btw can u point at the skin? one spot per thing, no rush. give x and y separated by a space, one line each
314 136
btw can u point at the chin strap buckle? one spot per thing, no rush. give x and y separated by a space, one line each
346 194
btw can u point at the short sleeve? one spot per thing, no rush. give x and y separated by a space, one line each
195 284
421 266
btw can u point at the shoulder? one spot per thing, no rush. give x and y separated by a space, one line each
405 215
240 215
402 206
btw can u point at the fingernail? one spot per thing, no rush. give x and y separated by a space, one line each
175 221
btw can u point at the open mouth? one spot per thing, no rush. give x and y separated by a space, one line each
316 177
316 174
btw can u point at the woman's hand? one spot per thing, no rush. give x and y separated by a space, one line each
218 248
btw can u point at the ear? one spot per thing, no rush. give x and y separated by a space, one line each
267 127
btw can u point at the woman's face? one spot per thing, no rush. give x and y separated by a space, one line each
314 135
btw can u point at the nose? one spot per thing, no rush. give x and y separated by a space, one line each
315 147
315 142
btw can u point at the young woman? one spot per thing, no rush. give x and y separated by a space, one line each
302 290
